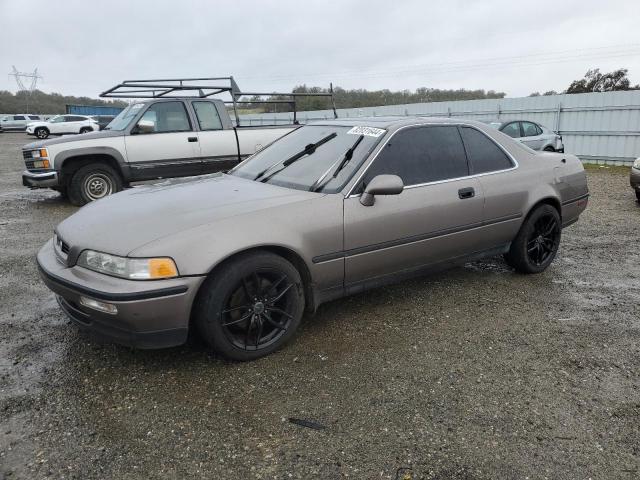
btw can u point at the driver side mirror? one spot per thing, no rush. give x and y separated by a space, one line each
381 185
145 126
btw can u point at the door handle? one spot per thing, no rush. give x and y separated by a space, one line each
192 139
468 192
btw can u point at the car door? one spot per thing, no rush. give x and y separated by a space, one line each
57 124
218 147
169 148
504 190
432 220
512 129
532 135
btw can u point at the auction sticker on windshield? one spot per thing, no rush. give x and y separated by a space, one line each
366 131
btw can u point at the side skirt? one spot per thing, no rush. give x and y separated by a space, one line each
396 277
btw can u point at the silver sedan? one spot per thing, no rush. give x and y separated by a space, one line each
532 134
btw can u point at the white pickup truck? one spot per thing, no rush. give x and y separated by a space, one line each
150 139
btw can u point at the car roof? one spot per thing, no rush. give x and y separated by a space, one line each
392 123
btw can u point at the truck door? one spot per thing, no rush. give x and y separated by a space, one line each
163 143
218 146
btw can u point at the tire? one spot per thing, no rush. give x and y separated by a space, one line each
549 148
238 327
537 242
638 195
86 130
41 132
93 182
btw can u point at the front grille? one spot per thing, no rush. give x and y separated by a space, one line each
29 164
27 154
61 245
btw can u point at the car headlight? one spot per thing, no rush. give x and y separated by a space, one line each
129 268
636 164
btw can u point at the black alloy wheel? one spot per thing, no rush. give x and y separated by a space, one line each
537 242
250 306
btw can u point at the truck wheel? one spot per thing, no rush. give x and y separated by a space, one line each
537 242
93 182
86 130
251 306
41 132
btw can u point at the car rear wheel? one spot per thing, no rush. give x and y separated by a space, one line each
549 148
537 242
41 132
93 182
251 306
86 130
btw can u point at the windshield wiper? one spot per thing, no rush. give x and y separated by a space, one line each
320 183
308 150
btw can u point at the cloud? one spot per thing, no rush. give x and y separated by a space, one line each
84 47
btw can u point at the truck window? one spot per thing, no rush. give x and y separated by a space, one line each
18 117
168 117
208 118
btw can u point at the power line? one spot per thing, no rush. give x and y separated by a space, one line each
514 61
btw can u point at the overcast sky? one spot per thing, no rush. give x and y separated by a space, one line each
84 47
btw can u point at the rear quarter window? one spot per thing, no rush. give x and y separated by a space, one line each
483 153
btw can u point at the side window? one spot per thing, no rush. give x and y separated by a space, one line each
530 129
19 117
484 155
208 118
421 155
168 117
75 118
34 117
512 129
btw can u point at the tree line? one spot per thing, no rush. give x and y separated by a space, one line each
46 103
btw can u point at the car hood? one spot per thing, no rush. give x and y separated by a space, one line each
73 138
130 219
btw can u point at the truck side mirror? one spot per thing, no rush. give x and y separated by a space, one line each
145 126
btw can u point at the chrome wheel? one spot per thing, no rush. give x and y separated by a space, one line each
259 310
98 185
41 133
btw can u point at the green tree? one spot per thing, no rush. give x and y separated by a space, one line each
595 81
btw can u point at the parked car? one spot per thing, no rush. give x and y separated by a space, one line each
334 208
17 122
149 139
103 120
62 125
634 178
532 134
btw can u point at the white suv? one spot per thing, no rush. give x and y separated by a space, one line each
63 124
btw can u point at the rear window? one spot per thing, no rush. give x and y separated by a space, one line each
34 117
483 153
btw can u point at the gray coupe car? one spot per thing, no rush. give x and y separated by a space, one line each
330 209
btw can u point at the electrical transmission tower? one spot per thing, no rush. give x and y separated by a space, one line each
21 77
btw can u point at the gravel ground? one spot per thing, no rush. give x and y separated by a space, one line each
473 373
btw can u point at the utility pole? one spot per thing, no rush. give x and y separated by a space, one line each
20 76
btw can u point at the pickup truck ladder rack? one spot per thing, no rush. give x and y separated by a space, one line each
206 87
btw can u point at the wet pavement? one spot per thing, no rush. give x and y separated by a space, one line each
473 373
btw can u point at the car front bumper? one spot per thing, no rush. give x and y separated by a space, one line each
45 179
634 179
150 314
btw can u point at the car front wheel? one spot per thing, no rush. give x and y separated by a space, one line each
251 306
41 132
537 242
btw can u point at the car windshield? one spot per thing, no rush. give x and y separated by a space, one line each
332 142
125 117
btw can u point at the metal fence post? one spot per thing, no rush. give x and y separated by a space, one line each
558 111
